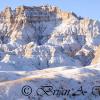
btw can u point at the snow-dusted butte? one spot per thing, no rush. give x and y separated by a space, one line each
45 36
43 45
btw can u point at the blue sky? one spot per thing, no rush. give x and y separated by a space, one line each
84 8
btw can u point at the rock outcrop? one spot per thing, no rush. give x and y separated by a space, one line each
45 36
96 59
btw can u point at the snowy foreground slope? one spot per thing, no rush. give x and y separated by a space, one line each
48 54
79 84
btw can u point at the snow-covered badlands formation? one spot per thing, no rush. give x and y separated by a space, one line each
48 54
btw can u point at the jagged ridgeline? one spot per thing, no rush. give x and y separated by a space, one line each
23 15
45 36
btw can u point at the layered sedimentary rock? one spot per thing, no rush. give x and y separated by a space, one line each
45 36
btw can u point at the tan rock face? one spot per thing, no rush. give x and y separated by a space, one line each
14 20
34 13
28 50
96 59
